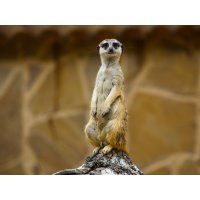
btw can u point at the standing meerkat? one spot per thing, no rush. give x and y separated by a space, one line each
107 125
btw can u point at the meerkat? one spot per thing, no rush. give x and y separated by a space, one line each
107 125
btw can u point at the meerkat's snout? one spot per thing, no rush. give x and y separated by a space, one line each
110 50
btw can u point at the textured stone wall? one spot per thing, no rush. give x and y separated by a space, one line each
44 104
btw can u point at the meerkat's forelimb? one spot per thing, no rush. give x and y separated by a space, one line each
114 94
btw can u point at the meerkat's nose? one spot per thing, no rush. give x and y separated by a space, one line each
110 50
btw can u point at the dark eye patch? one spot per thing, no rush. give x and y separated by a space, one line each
105 45
116 45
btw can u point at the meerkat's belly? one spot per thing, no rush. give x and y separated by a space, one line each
103 89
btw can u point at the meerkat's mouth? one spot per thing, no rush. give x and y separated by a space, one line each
111 53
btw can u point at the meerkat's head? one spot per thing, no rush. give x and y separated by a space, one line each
110 49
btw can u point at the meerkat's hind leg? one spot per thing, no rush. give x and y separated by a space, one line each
107 149
91 133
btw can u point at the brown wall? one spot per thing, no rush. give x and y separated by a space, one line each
46 81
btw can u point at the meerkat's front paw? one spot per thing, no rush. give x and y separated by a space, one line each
107 149
93 112
105 112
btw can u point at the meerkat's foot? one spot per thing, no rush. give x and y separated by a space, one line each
107 149
96 150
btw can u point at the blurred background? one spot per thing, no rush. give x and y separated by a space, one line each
47 75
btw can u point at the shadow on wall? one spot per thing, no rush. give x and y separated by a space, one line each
47 75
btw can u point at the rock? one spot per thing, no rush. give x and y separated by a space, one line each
113 163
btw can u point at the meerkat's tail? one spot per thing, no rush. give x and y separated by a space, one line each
116 134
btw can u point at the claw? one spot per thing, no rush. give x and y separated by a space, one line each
105 113
107 149
95 151
94 113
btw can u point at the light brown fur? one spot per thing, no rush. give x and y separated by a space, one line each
107 125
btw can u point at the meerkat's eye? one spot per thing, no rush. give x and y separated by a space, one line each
116 45
105 45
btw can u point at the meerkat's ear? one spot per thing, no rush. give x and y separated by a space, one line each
122 46
98 47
